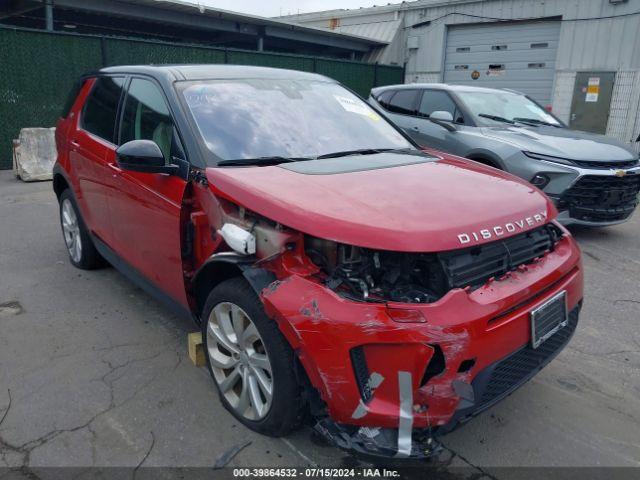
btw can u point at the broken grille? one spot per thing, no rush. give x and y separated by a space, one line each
602 198
473 267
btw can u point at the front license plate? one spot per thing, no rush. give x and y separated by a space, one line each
548 318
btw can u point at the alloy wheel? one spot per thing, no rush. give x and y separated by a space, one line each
239 361
71 230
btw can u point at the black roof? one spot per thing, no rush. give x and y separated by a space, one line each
213 71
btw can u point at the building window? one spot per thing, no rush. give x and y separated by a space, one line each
461 67
498 47
463 49
536 65
540 45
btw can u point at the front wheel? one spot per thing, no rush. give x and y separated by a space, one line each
250 360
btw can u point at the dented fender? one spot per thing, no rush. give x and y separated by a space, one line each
217 265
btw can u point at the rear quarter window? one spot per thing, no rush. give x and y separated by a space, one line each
100 109
384 97
71 97
404 101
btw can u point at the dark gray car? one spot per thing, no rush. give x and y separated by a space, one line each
593 179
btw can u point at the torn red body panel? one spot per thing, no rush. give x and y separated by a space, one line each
444 351
324 328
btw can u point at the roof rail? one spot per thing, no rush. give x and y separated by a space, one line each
513 91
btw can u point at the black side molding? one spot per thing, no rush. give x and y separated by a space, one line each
136 277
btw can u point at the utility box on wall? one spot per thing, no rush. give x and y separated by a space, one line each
591 101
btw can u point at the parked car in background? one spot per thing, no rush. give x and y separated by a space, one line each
593 179
337 272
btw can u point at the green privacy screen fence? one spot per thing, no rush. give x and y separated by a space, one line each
37 70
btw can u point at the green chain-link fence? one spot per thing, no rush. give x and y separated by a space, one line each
37 70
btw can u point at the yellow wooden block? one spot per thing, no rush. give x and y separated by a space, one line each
196 349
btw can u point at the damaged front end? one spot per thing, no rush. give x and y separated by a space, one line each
403 347
398 348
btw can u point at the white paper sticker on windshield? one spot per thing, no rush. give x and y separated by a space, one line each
354 106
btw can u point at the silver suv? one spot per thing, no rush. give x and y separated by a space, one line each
593 179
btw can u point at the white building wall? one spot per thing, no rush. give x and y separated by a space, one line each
562 94
636 130
624 104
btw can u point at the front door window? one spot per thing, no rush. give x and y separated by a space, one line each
146 117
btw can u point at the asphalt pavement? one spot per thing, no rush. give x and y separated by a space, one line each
94 372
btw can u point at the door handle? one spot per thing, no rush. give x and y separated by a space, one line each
415 128
75 144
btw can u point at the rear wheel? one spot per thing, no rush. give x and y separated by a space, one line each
82 252
250 360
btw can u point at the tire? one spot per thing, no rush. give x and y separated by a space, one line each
80 247
239 369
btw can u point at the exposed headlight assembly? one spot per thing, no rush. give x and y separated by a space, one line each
376 275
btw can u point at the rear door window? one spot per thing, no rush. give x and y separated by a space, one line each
404 101
101 107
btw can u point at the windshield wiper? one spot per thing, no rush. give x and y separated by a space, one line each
366 151
497 118
261 161
535 122
277 159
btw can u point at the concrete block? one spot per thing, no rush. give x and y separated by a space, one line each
196 349
34 154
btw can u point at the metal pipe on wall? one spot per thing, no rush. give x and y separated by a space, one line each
48 12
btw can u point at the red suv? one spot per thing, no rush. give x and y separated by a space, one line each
338 273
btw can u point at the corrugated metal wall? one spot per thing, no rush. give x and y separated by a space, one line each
584 45
522 54
39 68
596 44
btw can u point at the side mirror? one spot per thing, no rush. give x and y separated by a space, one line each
444 119
143 156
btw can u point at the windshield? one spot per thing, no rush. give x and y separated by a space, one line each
504 106
259 118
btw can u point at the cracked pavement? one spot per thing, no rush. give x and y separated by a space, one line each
94 372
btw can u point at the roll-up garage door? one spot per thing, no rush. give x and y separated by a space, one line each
518 55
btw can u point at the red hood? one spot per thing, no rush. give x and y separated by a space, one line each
424 207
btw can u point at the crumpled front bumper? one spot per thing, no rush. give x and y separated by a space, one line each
385 386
